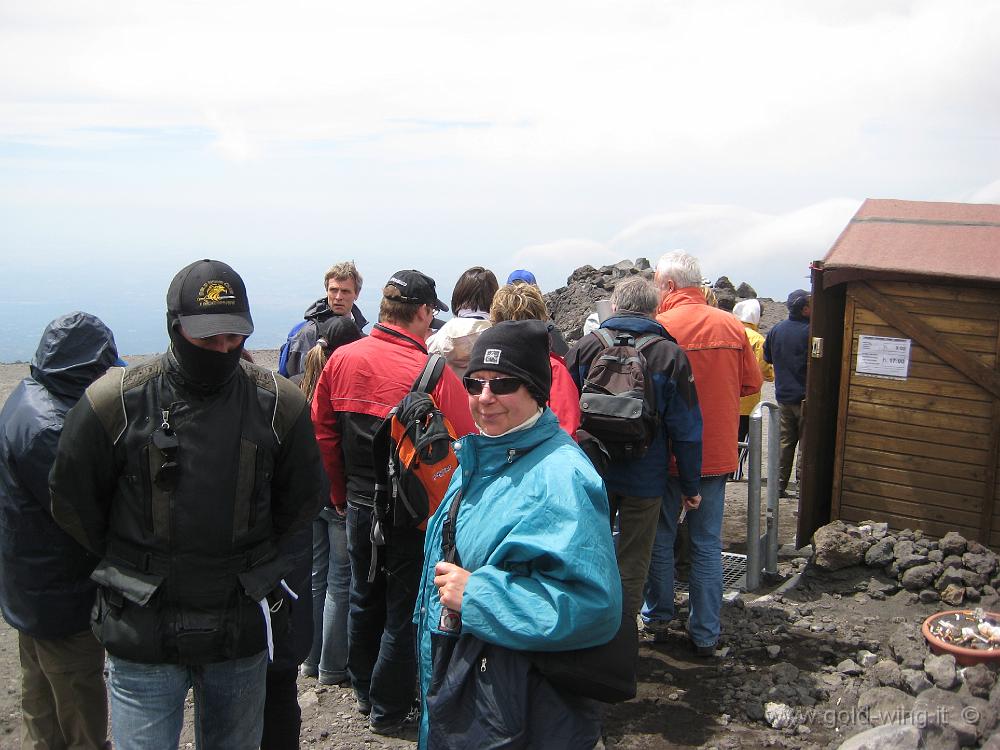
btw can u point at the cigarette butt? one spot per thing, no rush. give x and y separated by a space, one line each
684 512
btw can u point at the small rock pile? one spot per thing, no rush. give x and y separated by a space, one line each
570 305
952 570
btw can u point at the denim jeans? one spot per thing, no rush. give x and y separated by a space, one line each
147 703
705 581
331 587
382 659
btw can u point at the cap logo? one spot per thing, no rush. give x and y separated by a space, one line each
216 293
491 357
396 282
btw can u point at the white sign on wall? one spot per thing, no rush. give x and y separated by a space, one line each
883 356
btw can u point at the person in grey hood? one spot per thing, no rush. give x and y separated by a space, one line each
45 589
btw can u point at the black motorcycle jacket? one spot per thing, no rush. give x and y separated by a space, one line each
185 495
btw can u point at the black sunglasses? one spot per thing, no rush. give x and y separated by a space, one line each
166 476
498 386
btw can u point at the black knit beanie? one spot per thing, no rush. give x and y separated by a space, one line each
519 348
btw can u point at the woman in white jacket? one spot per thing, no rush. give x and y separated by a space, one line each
470 302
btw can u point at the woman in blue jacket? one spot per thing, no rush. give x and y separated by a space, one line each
537 565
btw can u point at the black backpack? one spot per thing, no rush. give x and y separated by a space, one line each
618 400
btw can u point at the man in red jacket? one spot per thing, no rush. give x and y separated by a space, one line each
725 369
360 384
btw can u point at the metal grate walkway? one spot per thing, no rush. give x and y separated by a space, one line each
734 574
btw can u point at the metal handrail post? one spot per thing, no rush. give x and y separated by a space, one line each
762 551
773 489
753 502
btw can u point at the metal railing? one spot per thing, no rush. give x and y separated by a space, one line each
762 550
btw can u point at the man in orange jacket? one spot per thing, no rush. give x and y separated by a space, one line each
725 369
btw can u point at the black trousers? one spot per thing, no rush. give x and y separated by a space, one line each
282 715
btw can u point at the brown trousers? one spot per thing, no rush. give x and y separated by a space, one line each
64 704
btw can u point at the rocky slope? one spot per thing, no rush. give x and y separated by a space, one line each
571 304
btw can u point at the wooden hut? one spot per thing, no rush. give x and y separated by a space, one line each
903 392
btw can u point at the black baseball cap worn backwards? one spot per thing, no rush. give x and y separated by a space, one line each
416 288
209 298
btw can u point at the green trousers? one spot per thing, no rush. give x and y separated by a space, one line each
64 703
637 517
790 423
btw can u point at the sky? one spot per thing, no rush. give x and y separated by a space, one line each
138 136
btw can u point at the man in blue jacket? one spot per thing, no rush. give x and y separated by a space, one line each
45 589
787 348
635 485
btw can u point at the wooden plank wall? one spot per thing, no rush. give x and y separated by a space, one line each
922 452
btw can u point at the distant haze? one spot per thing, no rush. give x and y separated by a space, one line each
136 137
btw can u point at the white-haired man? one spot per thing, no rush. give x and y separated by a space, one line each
725 369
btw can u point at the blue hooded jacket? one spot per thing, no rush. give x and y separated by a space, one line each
676 404
787 348
45 586
533 530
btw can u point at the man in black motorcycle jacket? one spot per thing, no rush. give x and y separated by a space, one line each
182 475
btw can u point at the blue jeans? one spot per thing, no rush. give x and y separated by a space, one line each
147 703
705 581
331 587
382 659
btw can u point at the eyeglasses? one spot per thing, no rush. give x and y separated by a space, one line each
166 476
498 386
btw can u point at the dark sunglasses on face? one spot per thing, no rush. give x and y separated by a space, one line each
498 386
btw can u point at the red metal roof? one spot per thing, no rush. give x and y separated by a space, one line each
892 239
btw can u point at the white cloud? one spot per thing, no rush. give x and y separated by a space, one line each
774 85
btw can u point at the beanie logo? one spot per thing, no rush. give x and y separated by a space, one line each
216 293
491 357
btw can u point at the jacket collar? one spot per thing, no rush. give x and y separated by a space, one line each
320 310
484 455
398 335
633 323
688 295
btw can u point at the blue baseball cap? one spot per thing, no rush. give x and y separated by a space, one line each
521 275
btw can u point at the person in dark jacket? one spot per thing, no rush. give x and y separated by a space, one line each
342 284
186 475
45 589
326 660
787 348
632 481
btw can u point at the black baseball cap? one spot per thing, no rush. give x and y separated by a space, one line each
416 288
208 298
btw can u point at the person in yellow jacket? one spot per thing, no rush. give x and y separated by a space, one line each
748 311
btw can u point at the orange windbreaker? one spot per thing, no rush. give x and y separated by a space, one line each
724 368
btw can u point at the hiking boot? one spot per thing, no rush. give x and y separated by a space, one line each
387 728
661 631
704 652
364 707
326 679
308 671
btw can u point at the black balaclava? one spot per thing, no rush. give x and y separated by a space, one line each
207 298
203 369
